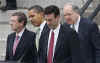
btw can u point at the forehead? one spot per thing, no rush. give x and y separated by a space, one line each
49 16
68 8
14 17
33 11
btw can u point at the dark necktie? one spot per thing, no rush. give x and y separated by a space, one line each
50 51
15 44
73 27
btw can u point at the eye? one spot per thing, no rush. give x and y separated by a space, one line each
65 15
68 14
31 16
49 20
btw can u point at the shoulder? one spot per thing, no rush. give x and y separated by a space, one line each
67 30
29 33
11 34
69 33
89 24
87 21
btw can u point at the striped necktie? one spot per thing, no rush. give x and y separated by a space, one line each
15 44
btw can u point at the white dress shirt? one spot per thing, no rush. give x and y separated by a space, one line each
39 33
20 33
76 25
56 33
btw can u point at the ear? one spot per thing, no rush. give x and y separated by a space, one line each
42 14
58 17
22 23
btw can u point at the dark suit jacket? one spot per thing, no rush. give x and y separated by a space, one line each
89 41
90 36
67 47
26 49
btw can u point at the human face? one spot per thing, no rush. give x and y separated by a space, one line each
15 25
52 21
35 18
70 15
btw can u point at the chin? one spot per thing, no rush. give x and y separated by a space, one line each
33 24
14 30
36 25
69 23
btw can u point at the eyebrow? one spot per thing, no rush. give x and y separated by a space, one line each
31 15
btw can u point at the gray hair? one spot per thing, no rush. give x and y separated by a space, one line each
76 9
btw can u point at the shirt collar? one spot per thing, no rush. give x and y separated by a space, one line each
77 22
76 25
42 25
57 29
20 33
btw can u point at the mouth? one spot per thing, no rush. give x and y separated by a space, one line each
32 21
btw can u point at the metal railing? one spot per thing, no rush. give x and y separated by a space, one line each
85 6
95 12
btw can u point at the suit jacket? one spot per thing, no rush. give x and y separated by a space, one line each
26 49
89 36
67 47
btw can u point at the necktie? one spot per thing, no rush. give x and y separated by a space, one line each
15 44
50 51
37 37
73 26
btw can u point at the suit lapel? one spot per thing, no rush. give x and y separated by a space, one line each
46 39
12 42
83 32
81 26
58 40
20 46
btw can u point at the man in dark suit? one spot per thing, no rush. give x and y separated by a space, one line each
58 44
21 43
36 16
88 33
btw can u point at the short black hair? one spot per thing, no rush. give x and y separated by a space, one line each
52 9
21 17
38 8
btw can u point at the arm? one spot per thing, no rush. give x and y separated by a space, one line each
96 40
7 48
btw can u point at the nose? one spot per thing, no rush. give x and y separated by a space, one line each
30 19
10 22
48 22
66 17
